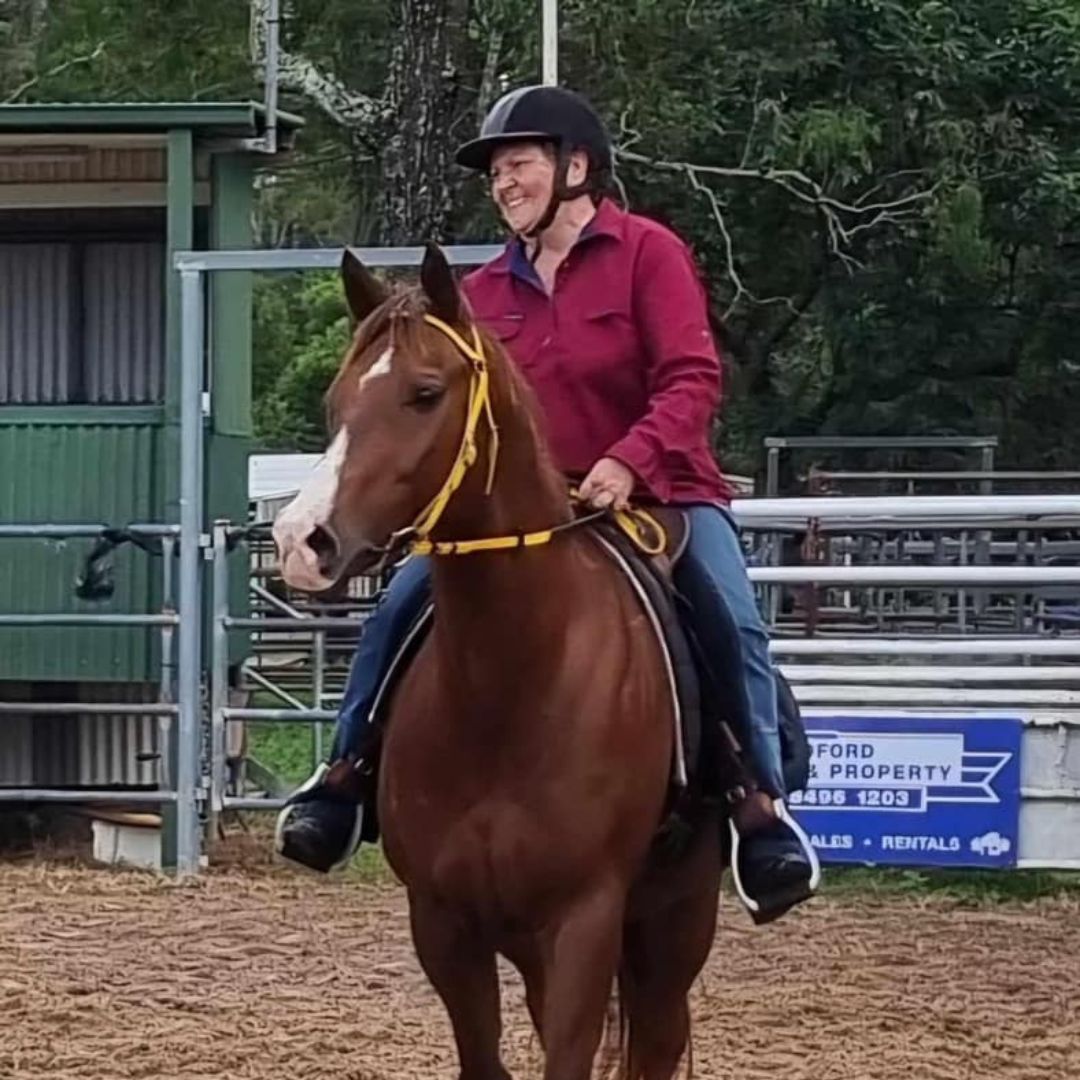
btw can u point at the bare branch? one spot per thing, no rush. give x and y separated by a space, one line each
73 62
753 121
729 252
356 112
793 181
843 221
885 181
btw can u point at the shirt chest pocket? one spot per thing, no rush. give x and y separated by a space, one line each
506 325
606 348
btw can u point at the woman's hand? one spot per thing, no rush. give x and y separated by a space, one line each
609 484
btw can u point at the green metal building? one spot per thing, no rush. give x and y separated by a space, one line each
94 201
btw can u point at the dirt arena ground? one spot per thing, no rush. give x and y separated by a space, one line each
257 972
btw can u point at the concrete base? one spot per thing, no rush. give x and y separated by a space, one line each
133 840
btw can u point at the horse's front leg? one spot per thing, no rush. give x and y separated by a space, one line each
461 967
581 954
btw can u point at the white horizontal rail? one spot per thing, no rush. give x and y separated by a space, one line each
883 508
948 474
931 673
936 696
970 646
1003 577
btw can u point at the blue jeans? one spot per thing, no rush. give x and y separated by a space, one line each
408 593
728 625
712 576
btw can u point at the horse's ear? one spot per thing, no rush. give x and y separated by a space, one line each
364 292
440 288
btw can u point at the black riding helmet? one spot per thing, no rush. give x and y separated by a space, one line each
549 114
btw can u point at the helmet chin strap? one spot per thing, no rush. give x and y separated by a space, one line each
561 192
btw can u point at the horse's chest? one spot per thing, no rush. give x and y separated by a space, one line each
498 857
514 795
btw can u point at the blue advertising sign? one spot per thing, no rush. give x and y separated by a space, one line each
912 791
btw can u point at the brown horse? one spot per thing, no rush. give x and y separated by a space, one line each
527 761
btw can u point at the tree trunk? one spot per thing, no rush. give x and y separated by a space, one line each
417 188
19 41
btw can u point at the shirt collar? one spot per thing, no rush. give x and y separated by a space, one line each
609 220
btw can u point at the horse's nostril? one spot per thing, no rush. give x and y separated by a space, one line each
323 543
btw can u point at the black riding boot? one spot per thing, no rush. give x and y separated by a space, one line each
772 860
323 822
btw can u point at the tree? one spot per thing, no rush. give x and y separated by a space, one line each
882 194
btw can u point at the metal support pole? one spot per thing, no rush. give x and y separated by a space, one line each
1001 579
317 690
168 607
772 490
189 681
167 678
68 795
961 596
87 708
219 668
550 38
273 34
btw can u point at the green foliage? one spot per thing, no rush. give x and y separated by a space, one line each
301 331
960 316
154 50
959 243
968 887
287 750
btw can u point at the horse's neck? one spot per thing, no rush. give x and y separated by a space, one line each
527 493
498 607
501 617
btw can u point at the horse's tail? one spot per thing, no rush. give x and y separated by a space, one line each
615 1046
616 1062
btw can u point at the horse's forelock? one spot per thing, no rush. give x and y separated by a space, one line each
368 331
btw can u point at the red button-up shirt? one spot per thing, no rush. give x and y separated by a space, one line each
620 355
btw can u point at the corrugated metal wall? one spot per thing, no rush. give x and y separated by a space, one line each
16 751
79 751
98 751
124 322
110 294
36 331
65 472
118 749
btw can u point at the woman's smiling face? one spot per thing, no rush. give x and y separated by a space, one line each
522 179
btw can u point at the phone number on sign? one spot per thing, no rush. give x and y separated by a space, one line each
859 798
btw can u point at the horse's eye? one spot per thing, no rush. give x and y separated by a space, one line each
425 396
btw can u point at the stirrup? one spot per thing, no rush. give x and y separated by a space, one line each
334 823
779 901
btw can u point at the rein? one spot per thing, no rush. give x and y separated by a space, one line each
640 526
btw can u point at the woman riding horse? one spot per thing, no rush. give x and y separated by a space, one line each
604 314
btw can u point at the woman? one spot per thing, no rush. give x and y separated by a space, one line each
604 314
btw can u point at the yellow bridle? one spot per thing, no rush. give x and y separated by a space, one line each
637 524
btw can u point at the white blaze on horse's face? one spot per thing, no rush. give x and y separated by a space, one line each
381 367
308 512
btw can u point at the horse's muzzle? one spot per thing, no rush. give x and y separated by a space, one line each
311 563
